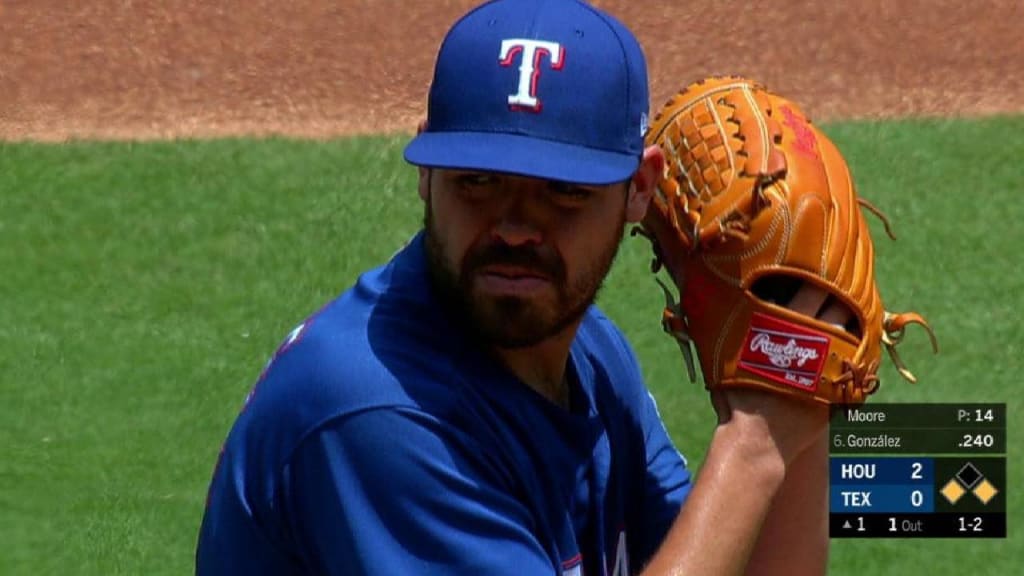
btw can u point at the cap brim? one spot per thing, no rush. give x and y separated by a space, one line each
522 155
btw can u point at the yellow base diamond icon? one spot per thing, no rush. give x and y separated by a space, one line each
952 491
985 491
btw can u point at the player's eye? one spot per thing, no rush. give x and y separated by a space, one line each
474 179
475 185
570 194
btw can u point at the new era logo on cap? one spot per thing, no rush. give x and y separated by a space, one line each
553 89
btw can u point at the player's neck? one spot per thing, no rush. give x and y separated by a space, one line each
542 367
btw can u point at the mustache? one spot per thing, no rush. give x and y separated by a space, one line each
527 257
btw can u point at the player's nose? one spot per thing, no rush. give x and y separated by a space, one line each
522 218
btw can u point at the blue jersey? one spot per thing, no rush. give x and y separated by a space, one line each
380 440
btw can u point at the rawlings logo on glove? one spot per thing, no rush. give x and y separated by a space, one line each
784 352
754 202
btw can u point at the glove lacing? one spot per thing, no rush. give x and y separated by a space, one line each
894 326
863 377
674 324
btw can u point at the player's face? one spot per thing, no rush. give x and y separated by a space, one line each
521 258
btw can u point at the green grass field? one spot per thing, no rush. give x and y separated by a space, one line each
143 286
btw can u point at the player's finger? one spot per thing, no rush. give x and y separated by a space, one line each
808 300
836 313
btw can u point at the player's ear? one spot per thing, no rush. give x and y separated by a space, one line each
652 165
424 183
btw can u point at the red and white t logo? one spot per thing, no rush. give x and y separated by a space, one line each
531 52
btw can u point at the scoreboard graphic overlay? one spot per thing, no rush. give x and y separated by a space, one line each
918 471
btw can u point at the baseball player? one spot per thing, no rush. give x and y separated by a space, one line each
466 408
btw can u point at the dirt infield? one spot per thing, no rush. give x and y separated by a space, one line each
192 68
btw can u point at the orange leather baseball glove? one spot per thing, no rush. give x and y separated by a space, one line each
755 201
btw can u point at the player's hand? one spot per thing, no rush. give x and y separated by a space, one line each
770 422
774 422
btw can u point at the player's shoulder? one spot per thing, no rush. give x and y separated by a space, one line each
377 345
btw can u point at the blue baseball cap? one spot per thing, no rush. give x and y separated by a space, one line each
552 89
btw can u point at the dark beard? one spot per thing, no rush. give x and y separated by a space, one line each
511 322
